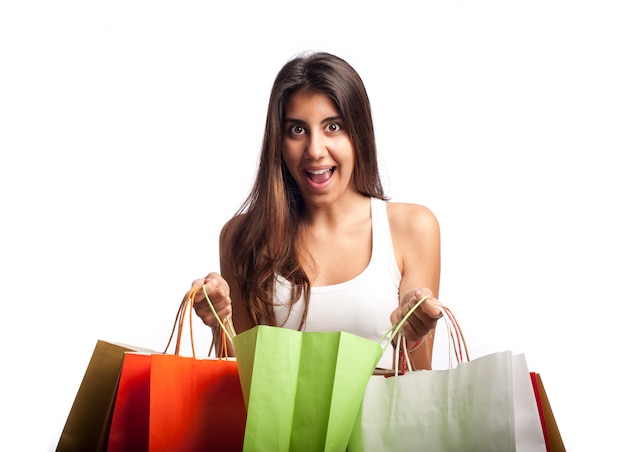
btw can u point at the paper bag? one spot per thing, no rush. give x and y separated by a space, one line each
302 390
486 404
169 402
550 428
87 425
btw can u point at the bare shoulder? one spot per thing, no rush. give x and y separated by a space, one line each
416 242
407 219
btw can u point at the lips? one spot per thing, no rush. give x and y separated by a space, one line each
319 176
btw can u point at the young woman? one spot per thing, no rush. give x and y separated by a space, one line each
317 246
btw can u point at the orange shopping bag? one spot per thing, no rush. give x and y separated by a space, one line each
168 402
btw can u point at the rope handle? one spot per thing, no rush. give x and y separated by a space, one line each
457 346
178 325
395 328
187 305
456 339
229 321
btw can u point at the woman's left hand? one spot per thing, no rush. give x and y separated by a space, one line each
423 319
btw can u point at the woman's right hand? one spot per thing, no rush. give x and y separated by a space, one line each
218 291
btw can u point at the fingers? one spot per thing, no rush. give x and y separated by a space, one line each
430 306
218 292
215 286
423 319
197 282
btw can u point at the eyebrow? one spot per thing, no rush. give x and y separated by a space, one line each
325 120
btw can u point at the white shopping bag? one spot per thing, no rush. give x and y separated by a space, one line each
486 404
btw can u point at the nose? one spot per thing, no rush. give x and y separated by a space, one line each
316 146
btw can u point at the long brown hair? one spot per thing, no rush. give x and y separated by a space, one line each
266 241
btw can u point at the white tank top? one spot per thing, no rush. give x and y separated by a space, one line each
361 306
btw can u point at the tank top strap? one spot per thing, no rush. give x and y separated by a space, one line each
382 244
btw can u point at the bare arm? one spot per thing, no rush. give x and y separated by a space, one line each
241 318
224 293
416 240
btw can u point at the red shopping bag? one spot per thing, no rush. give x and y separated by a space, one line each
169 402
129 424
551 433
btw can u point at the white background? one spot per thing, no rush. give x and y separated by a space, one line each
129 132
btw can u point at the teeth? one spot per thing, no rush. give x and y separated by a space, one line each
318 172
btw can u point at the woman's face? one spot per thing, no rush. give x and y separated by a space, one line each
317 149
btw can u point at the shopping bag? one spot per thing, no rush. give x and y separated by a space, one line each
195 405
551 432
170 402
485 404
130 421
302 390
87 425
528 431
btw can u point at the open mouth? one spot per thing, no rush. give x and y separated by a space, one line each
320 176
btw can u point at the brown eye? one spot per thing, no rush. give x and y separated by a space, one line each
333 127
296 129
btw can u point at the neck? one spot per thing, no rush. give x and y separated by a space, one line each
341 213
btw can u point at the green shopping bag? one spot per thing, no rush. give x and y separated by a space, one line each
303 390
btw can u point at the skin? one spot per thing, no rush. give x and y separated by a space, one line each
337 228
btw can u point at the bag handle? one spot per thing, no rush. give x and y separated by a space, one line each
396 332
229 321
454 330
456 339
457 346
187 305
395 328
